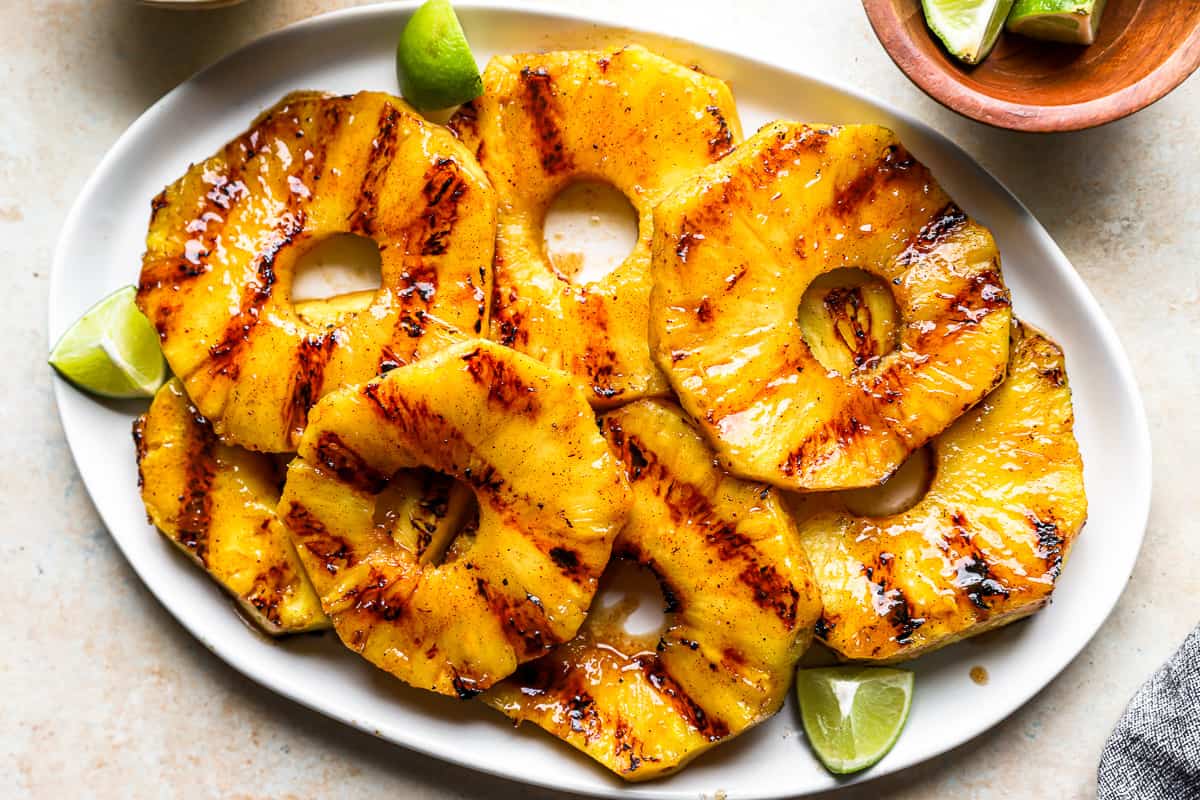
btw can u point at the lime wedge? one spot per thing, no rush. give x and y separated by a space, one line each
112 350
853 715
434 61
1070 21
968 28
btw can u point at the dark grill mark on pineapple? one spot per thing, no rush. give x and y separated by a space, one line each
686 240
567 560
195 504
1049 543
382 597
972 571
507 317
307 381
709 727
443 190
855 420
332 551
890 602
223 356
389 360
419 282
934 233
688 504
524 621
598 361
895 164
408 417
139 445
383 150
983 294
721 143
411 324
337 457
542 108
1054 376
733 279
269 591
704 312
481 305
824 628
556 679
505 387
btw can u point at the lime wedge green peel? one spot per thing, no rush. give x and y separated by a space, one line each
968 28
433 60
1070 21
112 350
853 715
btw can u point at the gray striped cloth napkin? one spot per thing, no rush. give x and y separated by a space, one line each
1154 752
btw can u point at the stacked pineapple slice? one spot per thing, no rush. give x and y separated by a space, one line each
817 305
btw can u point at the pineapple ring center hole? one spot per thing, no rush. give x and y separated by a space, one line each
337 276
629 605
589 229
431 515
849 320
906 487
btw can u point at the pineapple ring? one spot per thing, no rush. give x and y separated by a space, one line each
224 239
985 545
551 500
742 604
216 503
736 248
626 116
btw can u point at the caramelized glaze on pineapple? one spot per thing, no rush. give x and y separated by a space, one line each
625 116
741 605
551 499
734 251
984 546
224 239
216 503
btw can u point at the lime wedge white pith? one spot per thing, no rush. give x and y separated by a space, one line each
853 715
112 350
1070 21
968 28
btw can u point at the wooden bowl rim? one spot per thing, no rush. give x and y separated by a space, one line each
931 77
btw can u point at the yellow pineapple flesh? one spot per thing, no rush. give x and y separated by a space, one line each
741 605
734 251
624 116
551 499
986 543
224 240
216 503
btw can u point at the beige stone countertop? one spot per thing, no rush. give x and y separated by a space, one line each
105 695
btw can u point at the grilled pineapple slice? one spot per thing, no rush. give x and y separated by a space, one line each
224 239
216 503
741 607
551 499
985 545
734 251
625 116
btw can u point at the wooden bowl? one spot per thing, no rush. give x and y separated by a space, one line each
1145 48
